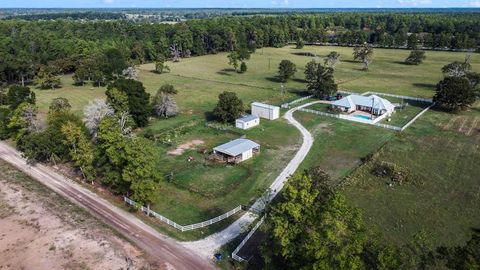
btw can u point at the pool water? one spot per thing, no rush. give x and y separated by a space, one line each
362 116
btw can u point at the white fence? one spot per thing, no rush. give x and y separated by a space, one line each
428 100
287 105
244 241
416 117
186 227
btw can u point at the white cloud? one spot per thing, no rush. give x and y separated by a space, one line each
414 2
108 2
475 3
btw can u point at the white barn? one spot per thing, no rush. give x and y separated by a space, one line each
265 111
247 121
236 151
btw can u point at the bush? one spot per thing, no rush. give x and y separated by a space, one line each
395 173
243 67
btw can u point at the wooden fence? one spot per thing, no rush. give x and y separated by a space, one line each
287 105
179 227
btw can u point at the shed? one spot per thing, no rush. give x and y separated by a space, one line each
247 121
236 151
265 111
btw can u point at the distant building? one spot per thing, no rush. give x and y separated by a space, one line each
247 121
236 151
372 104
265 111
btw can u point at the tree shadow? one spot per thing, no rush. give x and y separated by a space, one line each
299 80
402 63
429 86
209 116
273 79
226 71
308 54
351 61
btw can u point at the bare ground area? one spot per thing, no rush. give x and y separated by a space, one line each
184 147
39 230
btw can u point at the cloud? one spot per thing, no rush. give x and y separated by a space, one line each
108 2
475 3
414 2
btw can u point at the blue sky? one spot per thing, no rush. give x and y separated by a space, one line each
239 3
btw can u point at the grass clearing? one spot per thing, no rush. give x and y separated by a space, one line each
444 202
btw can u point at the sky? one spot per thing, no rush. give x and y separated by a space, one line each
238 3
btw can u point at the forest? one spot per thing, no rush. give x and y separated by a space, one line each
27 47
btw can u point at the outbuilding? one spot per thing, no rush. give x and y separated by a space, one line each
265 111
236 151
247 121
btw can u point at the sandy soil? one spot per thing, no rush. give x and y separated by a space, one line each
184 147
33 236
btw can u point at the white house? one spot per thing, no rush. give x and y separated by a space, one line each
236 151
372 104
247 121
265 111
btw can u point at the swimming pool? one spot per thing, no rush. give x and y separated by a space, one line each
362 116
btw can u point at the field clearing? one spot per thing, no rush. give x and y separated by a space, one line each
443 201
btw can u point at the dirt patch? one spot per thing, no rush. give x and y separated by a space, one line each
184 147
468 125
34 236
322 127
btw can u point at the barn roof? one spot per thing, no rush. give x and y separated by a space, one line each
247 118
265 106
236 147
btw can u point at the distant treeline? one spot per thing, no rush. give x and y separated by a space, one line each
90 15
27 45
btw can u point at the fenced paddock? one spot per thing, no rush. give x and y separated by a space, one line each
177 226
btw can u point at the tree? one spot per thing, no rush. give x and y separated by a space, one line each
4 120
59 105
412 41
229 107
300 43
160 66
175 52
320 80
80 76
233 59
456 69
332 59
47 78
17 95
94 113
164 104
36 147
138 99
23 120
81 149
117 100
243 67
364 53
463 257
113 63
309 229
416 57
286 70
168 89
454 93
130 73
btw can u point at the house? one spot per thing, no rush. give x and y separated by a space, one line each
247 121
372 104
236 151
265 111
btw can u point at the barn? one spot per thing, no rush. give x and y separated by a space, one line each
236 151
265 111
247 121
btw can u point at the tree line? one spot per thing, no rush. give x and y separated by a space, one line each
28 46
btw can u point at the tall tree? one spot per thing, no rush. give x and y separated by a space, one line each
286 70
454 93
332 59
164 104
320 80
17 95
95 111
81 149
364 53
229 107
59 105
416 57
23 121
138 99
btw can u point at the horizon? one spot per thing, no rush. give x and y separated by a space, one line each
246 4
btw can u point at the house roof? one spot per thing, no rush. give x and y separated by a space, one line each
265 106
247 118
367 101
236 147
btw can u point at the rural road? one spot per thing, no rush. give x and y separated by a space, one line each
210 244
165 251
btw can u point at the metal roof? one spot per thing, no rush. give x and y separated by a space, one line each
247 118
366 101
265 106
236 147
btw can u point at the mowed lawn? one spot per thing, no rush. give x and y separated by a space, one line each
441 151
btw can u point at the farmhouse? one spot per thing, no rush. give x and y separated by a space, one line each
236 151
265 111
372 104
247 121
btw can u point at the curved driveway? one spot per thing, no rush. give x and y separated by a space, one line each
210 244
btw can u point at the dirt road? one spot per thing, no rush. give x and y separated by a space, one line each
166 251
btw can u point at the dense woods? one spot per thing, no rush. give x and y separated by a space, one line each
66 45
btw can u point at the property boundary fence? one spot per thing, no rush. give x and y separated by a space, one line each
287 105
179 227
416 117
429 100
245 240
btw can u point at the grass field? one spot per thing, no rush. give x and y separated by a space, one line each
441 151
198 190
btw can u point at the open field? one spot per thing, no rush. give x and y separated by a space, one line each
41 230
196 190
441 152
